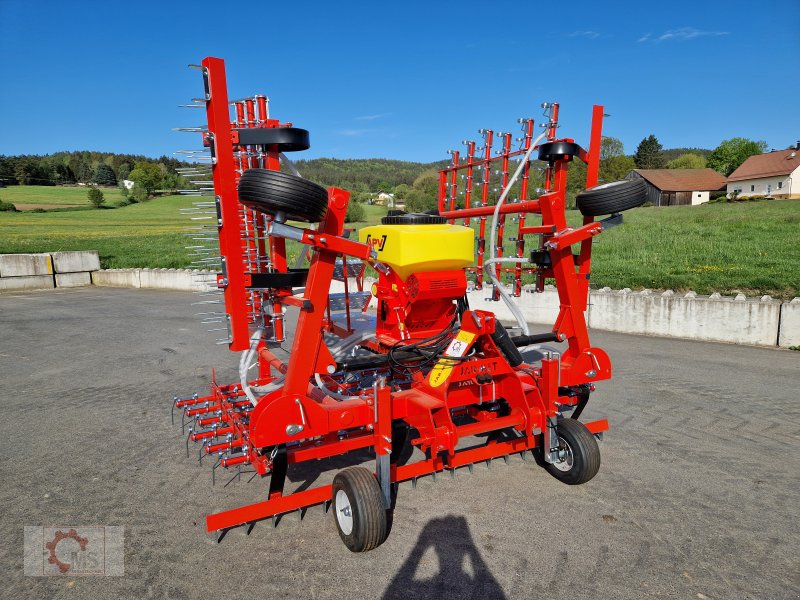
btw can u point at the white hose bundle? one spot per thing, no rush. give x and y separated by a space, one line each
512 306
244 364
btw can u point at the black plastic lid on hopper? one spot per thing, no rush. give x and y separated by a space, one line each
399 217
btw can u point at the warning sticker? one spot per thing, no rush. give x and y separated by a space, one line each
457 348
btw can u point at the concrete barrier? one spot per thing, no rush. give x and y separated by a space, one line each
25 265
30 282
716 318
739 320
790 324
124 278
158 279
68 280
537 308
76 262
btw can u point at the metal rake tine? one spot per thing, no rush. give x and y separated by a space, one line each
250 527
470 466
214 472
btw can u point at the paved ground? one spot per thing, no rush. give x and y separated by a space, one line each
697 496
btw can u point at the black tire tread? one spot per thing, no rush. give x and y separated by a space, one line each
269 192
629 193
586 453
367 502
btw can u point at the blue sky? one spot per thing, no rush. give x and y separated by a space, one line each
405 80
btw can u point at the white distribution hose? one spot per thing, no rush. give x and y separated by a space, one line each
512 306
337 352
244 364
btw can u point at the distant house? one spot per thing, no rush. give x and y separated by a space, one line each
775 174
675 187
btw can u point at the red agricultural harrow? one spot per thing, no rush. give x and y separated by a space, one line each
425 371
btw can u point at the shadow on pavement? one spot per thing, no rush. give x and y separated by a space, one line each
460 572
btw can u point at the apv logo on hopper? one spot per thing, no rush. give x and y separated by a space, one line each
378 243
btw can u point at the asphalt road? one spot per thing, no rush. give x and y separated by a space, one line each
697 496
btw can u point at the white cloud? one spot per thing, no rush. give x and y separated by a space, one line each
644 38
373 117
592 35
354 132
687 33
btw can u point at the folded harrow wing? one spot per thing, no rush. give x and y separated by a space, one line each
424 371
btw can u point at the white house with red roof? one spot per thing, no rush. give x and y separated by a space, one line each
775 174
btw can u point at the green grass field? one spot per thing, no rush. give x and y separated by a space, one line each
41 196
753 247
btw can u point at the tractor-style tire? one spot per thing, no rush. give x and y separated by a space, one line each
271 192
358 509
612 197
583 453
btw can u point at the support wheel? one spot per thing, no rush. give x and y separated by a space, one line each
359 510
580 458
273 192
612 197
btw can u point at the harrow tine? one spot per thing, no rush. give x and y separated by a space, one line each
250 527
303 512
414 483
221 534
325 506
505 458
214 472
470 466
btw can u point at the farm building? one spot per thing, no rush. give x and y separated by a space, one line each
775 174
674 187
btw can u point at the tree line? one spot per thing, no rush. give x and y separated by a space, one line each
84 166
725 158
415 184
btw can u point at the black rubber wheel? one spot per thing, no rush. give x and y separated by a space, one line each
552 151
358 509
612 197
582 460
271 192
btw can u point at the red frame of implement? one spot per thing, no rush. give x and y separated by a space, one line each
298 421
